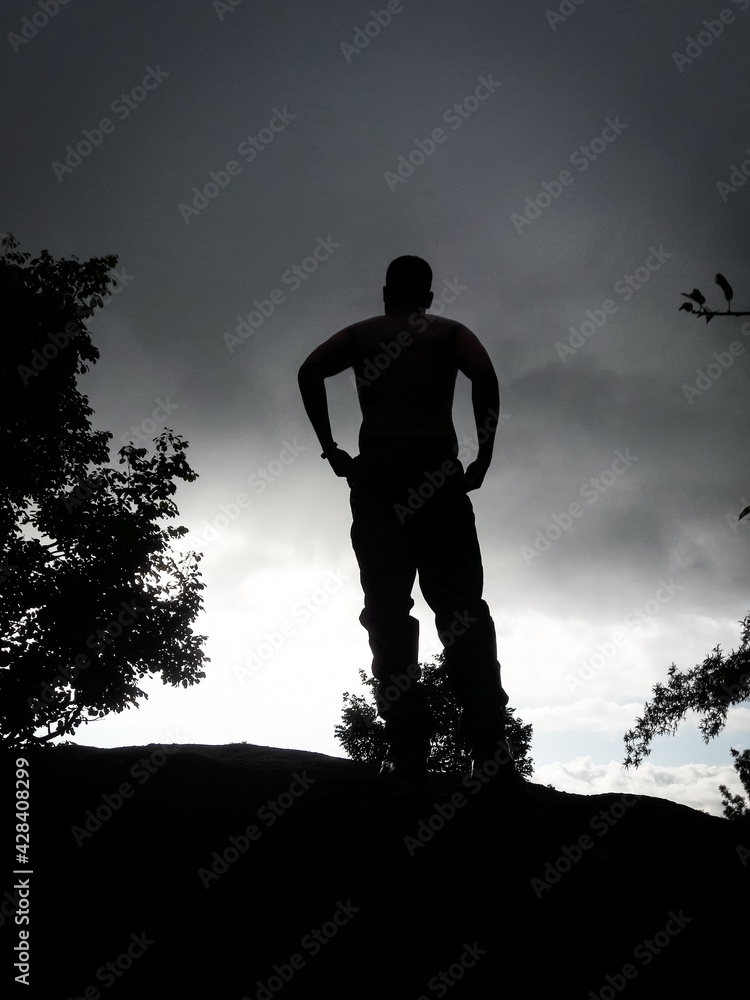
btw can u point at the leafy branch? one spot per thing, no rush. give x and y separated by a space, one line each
699 299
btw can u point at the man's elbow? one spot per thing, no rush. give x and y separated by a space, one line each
307 372
486 381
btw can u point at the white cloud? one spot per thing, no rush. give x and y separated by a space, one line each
694 785
591 714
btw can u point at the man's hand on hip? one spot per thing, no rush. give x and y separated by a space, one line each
340 461
474 475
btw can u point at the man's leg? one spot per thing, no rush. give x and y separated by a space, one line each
387 573
451 579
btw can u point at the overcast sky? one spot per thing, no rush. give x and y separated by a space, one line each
567 171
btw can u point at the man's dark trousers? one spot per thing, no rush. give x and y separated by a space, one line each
411 515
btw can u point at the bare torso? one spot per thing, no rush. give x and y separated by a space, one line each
406 375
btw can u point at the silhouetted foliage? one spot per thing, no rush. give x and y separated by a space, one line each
697 297
735 806
91 597
362 734
637 739
710 689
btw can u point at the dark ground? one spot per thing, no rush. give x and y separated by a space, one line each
330 879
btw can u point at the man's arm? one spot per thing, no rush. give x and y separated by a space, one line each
330 358
476 365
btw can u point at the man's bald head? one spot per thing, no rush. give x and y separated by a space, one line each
407 284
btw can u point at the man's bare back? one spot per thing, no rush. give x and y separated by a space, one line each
405 363
405 371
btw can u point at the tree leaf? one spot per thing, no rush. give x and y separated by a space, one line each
724 285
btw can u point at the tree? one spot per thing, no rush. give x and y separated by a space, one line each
710 689
735 806
362 734
92 599
714 685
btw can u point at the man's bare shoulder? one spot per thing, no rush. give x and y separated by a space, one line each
442 323
450 333
450 325
418 323
363 325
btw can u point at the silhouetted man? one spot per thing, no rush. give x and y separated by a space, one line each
410 510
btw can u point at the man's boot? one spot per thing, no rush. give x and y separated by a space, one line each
474 676
409 727
490 750
401 698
